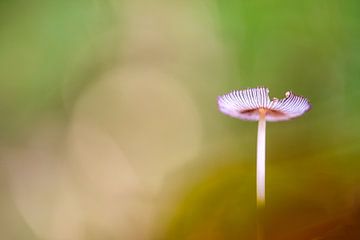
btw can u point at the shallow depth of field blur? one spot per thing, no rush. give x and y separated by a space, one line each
109 127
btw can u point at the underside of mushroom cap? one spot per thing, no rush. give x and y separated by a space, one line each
247 105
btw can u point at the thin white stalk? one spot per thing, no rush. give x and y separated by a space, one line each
260 160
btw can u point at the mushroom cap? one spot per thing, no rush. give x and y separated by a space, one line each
246 105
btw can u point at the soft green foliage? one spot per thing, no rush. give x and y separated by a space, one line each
46 47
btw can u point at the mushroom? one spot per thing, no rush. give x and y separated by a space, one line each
254 104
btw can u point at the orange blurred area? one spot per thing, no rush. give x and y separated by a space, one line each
110 127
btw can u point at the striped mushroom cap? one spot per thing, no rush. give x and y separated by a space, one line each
245 104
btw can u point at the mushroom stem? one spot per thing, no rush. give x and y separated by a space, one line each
260 160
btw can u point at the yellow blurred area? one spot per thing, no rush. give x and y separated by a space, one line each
110 127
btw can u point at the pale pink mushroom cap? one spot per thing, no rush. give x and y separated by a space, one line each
246 104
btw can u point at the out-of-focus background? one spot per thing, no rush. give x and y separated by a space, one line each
109 127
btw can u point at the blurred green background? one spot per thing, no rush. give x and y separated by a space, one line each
110 129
